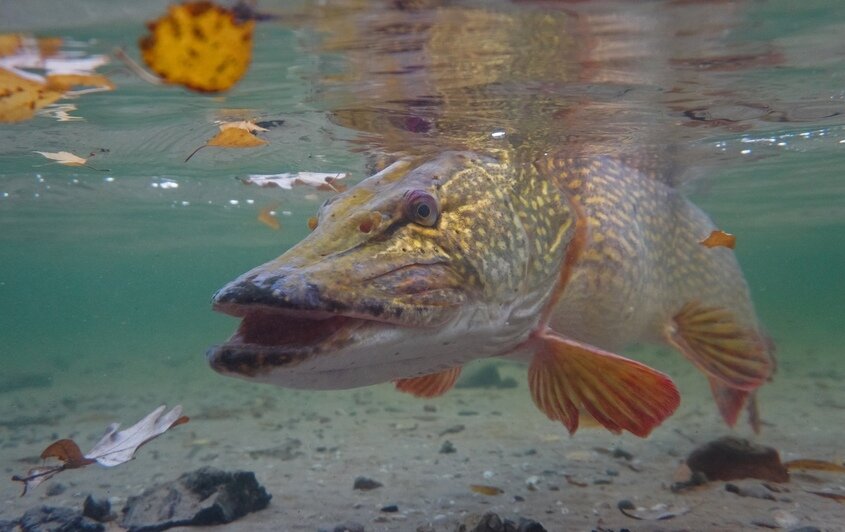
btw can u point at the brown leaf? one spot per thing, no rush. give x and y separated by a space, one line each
199 45
486 490
815 465
719 238
68 452
65 82
10 43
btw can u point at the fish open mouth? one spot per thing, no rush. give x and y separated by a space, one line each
269 338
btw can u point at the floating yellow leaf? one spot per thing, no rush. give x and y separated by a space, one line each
20 97
719 238
10 43
199 45
64 157
234 135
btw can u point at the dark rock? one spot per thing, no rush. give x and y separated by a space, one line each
731 458
349 526
491 522
430 408
8 526
486 376
454 429
622 453
56 488
757 492
97 509
207 496
390 508
366 484
447 448
53 519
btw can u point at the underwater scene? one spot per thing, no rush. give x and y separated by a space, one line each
595 281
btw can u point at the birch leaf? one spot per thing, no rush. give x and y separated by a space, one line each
199 45
21 97
64 157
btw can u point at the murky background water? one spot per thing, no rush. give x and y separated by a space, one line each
106 276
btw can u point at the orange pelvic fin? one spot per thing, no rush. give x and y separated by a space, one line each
713 340
566 376
730 402
431 385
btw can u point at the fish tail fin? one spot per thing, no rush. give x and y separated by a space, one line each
431 385
566 376
719 346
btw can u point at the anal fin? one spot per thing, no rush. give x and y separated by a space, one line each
431 385
566 376
720 347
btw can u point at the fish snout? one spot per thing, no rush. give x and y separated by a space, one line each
282 290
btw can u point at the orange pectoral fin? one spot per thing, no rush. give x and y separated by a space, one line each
431 385
712 339
618 393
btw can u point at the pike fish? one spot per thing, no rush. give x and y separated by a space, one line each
558 261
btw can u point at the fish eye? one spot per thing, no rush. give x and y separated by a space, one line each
421 208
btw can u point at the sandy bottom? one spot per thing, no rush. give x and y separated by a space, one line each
307 448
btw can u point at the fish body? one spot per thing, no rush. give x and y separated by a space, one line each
560 261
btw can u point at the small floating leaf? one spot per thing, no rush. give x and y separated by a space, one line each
719 238
234 135
267 216
64 157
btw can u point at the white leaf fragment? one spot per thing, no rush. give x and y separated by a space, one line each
115 448
288 180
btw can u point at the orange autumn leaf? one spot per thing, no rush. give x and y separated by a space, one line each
199 45
719 238
234 135
68 452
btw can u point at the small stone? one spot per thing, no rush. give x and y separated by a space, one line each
430 408
612 472
366 484
349 526
518 498
731 458
390 508
621 453
454 429
532 482
529 525
757 492
447 448
97 509
57 488
784 519
59 519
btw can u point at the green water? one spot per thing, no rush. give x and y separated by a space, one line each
106 277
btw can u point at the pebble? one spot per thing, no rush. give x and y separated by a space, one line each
56 488
532 482
366 484
96 509
447 448
390 508
755 491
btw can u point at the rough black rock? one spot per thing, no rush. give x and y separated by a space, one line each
8 526
366 484
491 522
348 526
56 519
97 509
207 496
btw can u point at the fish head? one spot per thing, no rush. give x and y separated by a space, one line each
411 271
